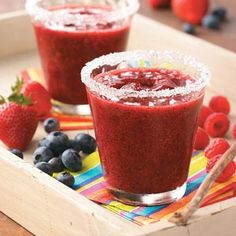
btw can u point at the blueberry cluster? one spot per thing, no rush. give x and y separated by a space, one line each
210 21
57 152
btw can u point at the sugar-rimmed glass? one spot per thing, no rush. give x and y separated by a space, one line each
70 33
145 137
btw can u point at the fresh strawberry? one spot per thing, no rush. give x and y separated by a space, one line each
18 119
191 11
18 124
159 3
40 97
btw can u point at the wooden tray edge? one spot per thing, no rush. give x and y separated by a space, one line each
46 207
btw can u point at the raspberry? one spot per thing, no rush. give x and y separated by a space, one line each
216 125
205 111
201 140
234 131
226 174
218 146
220 104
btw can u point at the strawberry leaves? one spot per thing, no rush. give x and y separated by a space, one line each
17 86
20 99
16 95
2 100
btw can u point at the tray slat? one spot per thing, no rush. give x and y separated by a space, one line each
46 207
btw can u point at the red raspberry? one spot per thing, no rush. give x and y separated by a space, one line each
218 146
201 140
205 111
226 174
216 125
234 131
220 104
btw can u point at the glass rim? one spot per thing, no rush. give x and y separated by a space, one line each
34 10
114 59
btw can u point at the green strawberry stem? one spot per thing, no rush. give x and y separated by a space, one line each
16 88
2 99
16 95
20 99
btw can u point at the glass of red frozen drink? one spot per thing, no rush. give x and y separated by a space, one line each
70 33
145 108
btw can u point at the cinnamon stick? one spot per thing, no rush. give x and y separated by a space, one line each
182 217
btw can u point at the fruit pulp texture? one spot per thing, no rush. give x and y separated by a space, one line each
145 144
64 50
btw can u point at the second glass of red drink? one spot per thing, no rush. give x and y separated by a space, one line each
70 33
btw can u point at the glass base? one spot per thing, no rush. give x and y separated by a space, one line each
81 110
149 199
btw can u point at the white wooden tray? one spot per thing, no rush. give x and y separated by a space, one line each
46 207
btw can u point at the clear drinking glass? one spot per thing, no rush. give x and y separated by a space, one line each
70 33
145 108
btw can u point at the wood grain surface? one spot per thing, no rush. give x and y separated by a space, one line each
10 228
226 37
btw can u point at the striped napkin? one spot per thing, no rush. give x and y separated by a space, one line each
90 183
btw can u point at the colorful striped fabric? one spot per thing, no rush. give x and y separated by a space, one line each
67 122
90 183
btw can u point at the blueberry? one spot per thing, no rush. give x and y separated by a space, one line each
57 142
45 167
17 152
42 154
51 124
189 28
73 144
87 143
43 143
220 13
56 164
211 22
71 160
66 178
